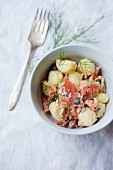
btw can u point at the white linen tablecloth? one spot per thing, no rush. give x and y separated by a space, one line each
26 143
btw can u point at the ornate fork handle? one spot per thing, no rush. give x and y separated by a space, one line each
19 84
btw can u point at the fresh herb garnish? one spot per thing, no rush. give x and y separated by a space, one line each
62 62
45 87
61 33
62 57
57 98
85 66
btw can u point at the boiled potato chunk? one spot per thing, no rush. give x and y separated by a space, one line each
75 78
45 87
87 117
101 110
66 66
55 110
86 66
55 77
102 98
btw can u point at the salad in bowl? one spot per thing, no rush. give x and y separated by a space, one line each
74 93
71 89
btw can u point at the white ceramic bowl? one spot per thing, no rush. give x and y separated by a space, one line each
70 51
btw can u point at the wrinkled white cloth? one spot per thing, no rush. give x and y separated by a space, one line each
26 142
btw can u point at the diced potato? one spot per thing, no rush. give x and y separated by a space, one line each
56 111
66 66
102 98
86 66
101 110
55 77
87 117
45 87
75 78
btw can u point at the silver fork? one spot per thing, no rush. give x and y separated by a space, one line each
36 37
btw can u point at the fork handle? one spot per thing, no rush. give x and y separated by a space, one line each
19 84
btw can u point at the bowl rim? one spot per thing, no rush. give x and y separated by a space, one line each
59 128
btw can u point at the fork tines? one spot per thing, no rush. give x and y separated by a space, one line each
40 21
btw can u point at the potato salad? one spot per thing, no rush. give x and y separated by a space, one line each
74 93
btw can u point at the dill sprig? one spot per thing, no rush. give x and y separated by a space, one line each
62 56
62 62
31 64
45 87
83 30
61 33
62 59
85 65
